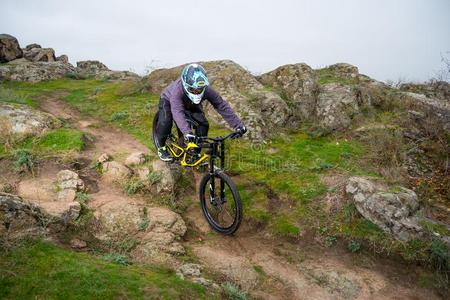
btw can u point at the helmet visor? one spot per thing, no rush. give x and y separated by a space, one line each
195 91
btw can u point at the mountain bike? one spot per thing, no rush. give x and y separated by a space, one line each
219 196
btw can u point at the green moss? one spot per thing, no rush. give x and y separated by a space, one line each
285 227
42 270
328 75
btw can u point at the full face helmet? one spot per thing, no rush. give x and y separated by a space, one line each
194 81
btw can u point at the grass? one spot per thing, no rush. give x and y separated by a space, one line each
55 142
39 270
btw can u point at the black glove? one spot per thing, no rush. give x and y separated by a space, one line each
241 130
189 137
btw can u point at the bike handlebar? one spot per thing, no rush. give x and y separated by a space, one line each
232 135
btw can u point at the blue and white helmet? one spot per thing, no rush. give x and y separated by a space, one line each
194 81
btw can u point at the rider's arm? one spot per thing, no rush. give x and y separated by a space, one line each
223 108
177 109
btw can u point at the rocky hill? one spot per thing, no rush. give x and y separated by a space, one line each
336 167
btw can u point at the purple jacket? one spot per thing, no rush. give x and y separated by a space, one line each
179 102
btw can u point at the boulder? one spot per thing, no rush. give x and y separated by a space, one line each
115 171
143 173
134 159
69 180
158 230
336 106
25 120
344 70
104 157
24 70
395 212
297 83
63 58
91 66
259 107
31 46
62 211
77 243
18 219
168 178
98 70
9 48
40 54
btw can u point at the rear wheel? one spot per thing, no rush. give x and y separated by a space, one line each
222 210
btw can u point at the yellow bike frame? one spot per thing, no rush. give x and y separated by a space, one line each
178 152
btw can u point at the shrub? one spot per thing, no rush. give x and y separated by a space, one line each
353 246
82 197
233 292
117 258
24 160
154 177
132 186
119 116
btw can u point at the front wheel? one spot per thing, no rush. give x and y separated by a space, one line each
221 203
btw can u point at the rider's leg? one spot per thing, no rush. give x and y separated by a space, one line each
202 127
165 121
203 124
163 128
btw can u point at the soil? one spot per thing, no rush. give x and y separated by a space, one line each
265 266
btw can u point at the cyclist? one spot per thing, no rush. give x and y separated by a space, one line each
183 98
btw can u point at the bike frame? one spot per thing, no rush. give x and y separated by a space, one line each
217 151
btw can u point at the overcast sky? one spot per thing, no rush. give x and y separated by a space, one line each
386 39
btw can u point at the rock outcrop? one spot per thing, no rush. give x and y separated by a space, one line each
327 97
167 176
98 70
157 230
395 212
68 183
114 171
18 219
24 70
9 48
134 159
25 120
297 83
39 54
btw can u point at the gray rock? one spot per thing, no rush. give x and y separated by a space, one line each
157 229
24 120
336 105
395 212
104 157
169 176
69 180
190 269
9 48
134 159
298 85
115 171
31 46
63 58
40 54
18 218
98 70
24 70
77 243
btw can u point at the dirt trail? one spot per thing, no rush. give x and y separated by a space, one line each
106 137
268 268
